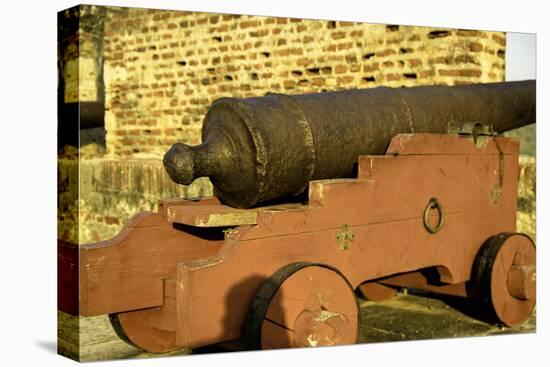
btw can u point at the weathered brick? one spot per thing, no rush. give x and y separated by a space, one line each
371 67
345 46
340 69
289 84
338 35
440 60
386 52
476 46
466 59
393 76
345 79
304 61
318 81
249 24
460 72
426 74
467 33
414 62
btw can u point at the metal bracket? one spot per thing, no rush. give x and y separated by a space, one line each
496 192
433 204
477 131
344 236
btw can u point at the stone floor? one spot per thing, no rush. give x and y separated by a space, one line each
406 317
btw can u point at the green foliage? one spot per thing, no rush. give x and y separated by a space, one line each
527 139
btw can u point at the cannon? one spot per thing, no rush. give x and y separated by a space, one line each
430 210
256 150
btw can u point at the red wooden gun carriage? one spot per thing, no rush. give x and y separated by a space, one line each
434 211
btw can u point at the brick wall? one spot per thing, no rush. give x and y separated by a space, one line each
162 69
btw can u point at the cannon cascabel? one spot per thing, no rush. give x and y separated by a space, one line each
258 149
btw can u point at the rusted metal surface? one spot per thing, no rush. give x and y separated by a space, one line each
260 149
433 204
344 237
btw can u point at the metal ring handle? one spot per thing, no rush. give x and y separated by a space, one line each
433 204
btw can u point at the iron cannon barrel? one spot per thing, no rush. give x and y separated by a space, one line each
263 148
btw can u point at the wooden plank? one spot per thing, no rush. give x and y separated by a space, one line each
153 329
399 189
126 272
234 291
164 203
210 215
67 277
164 317
375 291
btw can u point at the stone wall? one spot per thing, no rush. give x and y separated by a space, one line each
111 192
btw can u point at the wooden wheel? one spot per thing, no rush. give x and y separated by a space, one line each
377 292
136 329
505 278
303 305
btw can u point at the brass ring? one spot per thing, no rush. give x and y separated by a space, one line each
433 204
